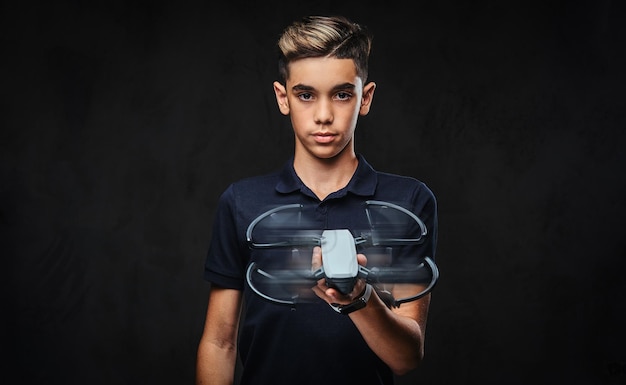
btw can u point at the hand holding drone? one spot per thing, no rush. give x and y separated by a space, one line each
340 268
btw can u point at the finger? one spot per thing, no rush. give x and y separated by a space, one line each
321 290
333 296
361 259
337 297
316 258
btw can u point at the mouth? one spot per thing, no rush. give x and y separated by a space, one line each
323 137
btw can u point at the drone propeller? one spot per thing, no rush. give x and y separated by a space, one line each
339 265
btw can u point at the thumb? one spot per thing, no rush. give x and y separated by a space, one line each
361 259
316 258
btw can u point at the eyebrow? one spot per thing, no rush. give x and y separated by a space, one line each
343 86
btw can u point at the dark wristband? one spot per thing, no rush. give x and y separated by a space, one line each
357 304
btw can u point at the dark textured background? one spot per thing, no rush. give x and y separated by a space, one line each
122 122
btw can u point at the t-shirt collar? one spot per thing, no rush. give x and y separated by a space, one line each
362 183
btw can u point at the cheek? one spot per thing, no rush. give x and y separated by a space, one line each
350 120
297 120
298 126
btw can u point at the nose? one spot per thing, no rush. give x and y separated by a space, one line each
324 112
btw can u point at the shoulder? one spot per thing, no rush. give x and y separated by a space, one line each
390 182
253 185
396 188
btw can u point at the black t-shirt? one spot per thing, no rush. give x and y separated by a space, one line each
308 342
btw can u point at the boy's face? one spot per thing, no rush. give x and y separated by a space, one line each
324 97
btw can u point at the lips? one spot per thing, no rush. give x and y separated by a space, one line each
323 137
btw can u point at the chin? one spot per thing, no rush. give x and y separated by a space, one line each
327 155
328 152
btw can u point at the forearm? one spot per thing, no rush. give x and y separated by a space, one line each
215 364
396 338
217 350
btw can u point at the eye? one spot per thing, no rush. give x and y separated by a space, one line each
343 95
305 96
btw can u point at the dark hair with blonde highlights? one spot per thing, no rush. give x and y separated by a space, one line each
324 36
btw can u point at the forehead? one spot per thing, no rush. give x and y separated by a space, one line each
322 72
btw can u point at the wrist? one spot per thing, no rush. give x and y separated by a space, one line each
355 305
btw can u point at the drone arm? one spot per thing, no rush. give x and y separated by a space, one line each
418 275
319 273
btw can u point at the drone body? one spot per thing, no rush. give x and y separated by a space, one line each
340 267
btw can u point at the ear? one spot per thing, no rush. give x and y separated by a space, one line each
281 98
366 99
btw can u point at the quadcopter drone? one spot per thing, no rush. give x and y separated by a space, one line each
388 225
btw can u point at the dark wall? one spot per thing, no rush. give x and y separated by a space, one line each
123 122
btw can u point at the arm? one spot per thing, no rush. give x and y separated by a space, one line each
395 335
217 350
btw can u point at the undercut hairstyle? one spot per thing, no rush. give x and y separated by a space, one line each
324 36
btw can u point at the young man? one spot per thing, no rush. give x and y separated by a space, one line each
323 69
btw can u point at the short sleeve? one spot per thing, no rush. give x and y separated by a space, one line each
225 260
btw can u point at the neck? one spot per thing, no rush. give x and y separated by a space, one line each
325 176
